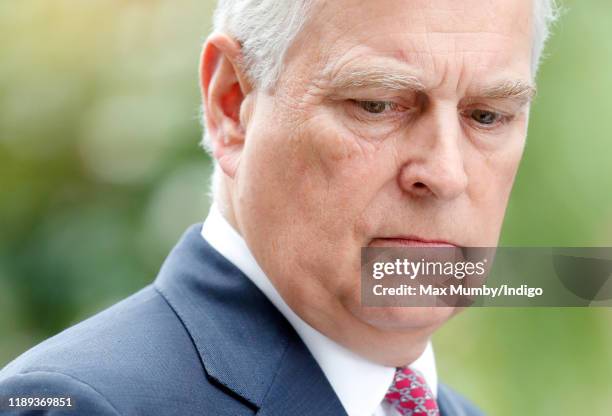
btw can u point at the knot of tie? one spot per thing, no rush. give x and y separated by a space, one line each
410 395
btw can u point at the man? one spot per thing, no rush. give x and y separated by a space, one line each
335 125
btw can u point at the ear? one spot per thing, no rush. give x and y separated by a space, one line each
224 88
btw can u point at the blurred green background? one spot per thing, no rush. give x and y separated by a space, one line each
100 172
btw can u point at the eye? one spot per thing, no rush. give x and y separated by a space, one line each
375 107
485 118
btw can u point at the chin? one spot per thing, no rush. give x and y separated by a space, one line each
404 318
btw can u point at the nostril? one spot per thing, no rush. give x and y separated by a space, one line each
419 185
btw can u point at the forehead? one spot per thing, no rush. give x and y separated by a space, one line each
434 37
429 15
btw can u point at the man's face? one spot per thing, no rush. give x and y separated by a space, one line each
394 122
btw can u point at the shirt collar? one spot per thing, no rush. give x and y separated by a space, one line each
359 384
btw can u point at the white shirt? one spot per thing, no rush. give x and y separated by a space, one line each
360 384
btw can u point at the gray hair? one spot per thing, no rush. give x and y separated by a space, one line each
266 29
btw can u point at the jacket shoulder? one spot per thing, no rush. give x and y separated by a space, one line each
452 403
111 339
72 395
134 358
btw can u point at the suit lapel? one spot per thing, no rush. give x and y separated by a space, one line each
300 388
244 343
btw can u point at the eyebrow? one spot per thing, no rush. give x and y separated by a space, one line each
376 77
517 90
382 77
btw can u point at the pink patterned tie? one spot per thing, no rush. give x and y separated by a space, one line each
410 395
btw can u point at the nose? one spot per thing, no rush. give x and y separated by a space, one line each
433 162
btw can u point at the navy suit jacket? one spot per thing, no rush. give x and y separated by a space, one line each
201 340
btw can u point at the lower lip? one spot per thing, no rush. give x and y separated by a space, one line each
403 242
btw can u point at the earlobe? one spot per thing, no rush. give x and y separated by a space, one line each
227 146
224 88
227 159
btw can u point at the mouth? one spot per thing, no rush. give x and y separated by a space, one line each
410 241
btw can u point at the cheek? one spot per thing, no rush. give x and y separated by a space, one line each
307 187
332 168
336 147
492 176
506 164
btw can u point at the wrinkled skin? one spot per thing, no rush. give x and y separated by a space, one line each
328 162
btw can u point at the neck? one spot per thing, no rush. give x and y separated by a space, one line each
224 202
